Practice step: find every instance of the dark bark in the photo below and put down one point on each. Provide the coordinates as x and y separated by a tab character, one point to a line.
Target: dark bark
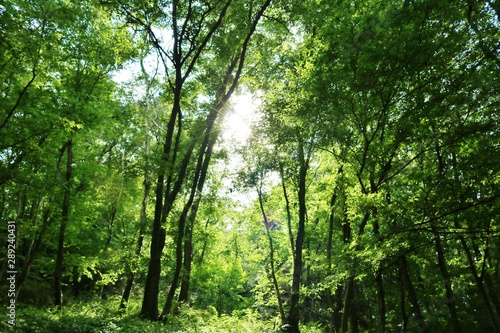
493	290
329	246
479	285
188	242
381	321
204	157
204	248
183	62
229	83
271	254
412	295
178	260
150	301
58	271
450	299
287	206
404	315
34	250
138	247
477	278
348	305
188	260
294	313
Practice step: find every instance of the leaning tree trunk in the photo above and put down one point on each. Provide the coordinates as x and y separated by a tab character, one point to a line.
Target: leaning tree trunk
412	295
480	286
271	254
34	250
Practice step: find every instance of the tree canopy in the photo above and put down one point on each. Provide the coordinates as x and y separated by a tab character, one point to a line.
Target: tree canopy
366	198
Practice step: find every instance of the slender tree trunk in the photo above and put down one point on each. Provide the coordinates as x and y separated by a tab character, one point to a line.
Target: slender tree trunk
493	291
151	289
273	275
229	83
178	258
348	301
477	278
380	302
404	316
138	247
287	206
32	254
329	248
379	282
143	218
204	157
294	313
412	295
183	67
479	285
188	252
271	255
62	229
112	218
204	247
450	299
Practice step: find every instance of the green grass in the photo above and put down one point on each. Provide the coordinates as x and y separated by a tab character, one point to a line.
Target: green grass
97	316
104	317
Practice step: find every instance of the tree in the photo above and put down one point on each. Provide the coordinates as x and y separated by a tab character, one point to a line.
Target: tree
196	37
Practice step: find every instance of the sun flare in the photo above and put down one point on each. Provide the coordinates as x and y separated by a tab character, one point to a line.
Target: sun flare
238	120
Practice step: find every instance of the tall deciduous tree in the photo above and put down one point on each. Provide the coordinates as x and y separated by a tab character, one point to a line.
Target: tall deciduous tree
202	34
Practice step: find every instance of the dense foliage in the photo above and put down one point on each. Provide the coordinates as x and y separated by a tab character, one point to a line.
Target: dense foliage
367	198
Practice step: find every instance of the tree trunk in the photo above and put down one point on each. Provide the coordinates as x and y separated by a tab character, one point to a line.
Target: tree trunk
188	260
404	316
203	162
183	64
294	314
62	229
138	247
493	292
287	206
348	304
204	248
480	286
151	289
271	255
178	258
34	251
380	302
329	248
450	299
412	295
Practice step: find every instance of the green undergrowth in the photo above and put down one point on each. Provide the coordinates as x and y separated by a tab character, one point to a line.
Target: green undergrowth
104	317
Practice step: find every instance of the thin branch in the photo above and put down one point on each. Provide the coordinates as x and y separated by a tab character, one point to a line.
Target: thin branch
206	40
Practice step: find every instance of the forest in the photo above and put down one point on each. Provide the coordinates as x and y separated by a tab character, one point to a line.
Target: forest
250	166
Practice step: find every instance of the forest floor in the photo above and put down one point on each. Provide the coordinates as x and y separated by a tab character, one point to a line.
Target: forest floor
104	317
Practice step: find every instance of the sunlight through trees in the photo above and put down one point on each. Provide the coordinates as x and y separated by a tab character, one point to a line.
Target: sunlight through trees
250	166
